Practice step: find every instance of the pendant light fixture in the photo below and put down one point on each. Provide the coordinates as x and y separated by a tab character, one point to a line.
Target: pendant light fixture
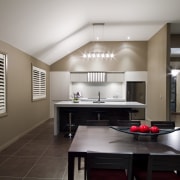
98	31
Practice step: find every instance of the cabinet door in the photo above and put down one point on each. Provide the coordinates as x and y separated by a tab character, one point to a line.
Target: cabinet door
136	76
78	77
115	77
59	85
59	88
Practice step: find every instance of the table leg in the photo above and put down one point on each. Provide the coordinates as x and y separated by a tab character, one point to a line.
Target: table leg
70	166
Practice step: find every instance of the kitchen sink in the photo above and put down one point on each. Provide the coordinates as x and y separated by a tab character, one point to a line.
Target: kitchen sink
98	101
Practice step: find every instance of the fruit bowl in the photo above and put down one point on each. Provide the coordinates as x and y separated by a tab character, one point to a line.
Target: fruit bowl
136	134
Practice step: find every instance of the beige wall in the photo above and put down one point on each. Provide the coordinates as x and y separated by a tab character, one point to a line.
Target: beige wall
129	56
157	76
178	93
23	114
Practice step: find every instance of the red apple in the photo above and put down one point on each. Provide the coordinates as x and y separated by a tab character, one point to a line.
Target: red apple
134	129
144	128
154	129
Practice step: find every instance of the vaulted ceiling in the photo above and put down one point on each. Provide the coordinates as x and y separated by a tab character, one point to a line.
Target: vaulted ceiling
51	29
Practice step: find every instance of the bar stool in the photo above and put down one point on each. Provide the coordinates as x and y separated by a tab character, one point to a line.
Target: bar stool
70	126
131	113
99	114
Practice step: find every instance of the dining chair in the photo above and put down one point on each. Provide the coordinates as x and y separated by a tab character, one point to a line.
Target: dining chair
164	124
97	122
109	166
128	123
160	167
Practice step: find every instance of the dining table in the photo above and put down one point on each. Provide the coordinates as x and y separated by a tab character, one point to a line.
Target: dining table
107	139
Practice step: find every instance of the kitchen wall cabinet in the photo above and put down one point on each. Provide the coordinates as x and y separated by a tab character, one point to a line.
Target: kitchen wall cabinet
78	76
136	76
115	77
106	77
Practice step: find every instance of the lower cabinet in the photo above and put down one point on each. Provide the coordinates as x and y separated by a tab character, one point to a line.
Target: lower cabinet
79	116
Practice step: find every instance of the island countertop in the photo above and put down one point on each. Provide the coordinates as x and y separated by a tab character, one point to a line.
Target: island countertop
125	104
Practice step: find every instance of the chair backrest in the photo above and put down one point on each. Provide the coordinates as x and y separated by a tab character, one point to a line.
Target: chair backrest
128	123
162	162
98	160
97	122
163	124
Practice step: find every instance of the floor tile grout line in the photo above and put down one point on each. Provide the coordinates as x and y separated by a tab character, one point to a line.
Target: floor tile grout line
65	171
36	161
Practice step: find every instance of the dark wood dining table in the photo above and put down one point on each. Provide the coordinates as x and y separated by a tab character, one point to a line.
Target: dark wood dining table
106	139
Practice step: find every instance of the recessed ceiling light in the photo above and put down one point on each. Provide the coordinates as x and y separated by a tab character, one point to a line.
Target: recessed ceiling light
128	37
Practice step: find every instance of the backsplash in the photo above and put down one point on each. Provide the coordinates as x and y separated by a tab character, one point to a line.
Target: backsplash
107	90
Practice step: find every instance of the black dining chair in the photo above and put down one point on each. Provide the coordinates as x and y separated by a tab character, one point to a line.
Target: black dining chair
160	167
109	166
97	122
128	123
163	124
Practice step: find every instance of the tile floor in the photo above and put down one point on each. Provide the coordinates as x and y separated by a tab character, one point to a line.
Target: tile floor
39	156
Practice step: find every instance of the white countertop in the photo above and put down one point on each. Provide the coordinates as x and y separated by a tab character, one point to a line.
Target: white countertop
104	99
104	105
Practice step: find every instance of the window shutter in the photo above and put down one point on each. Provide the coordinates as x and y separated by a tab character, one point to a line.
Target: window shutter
39	83
2	83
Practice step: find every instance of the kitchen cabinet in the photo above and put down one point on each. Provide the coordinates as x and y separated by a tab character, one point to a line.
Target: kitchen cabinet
115	77
78	76
136	76
96	77
59	88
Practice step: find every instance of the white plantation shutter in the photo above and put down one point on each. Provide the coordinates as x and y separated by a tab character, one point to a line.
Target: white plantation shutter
38	83
2	83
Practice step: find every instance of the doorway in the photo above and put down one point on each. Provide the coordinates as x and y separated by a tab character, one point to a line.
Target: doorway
136	91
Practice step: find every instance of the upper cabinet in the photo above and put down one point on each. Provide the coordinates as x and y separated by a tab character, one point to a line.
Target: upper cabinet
59	85
115	77
96	77
78	76
136	76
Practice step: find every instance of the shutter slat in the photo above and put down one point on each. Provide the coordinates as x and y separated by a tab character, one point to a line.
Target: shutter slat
2	83
39	83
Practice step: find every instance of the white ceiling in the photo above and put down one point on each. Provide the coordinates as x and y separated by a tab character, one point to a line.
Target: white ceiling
50	29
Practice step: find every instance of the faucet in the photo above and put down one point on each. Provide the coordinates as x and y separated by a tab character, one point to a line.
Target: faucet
99	96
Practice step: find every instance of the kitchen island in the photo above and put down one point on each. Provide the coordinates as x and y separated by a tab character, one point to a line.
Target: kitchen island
85	110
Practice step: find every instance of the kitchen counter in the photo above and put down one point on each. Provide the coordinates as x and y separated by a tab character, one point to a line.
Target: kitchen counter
82	105
104	99
105	104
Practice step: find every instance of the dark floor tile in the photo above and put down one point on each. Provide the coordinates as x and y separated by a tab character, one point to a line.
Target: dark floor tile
42	179
49	168
16	166
49	130
44	136
31	150
3	159
13	148
10	178
57	151
60	139
45	139
27	137
36	131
